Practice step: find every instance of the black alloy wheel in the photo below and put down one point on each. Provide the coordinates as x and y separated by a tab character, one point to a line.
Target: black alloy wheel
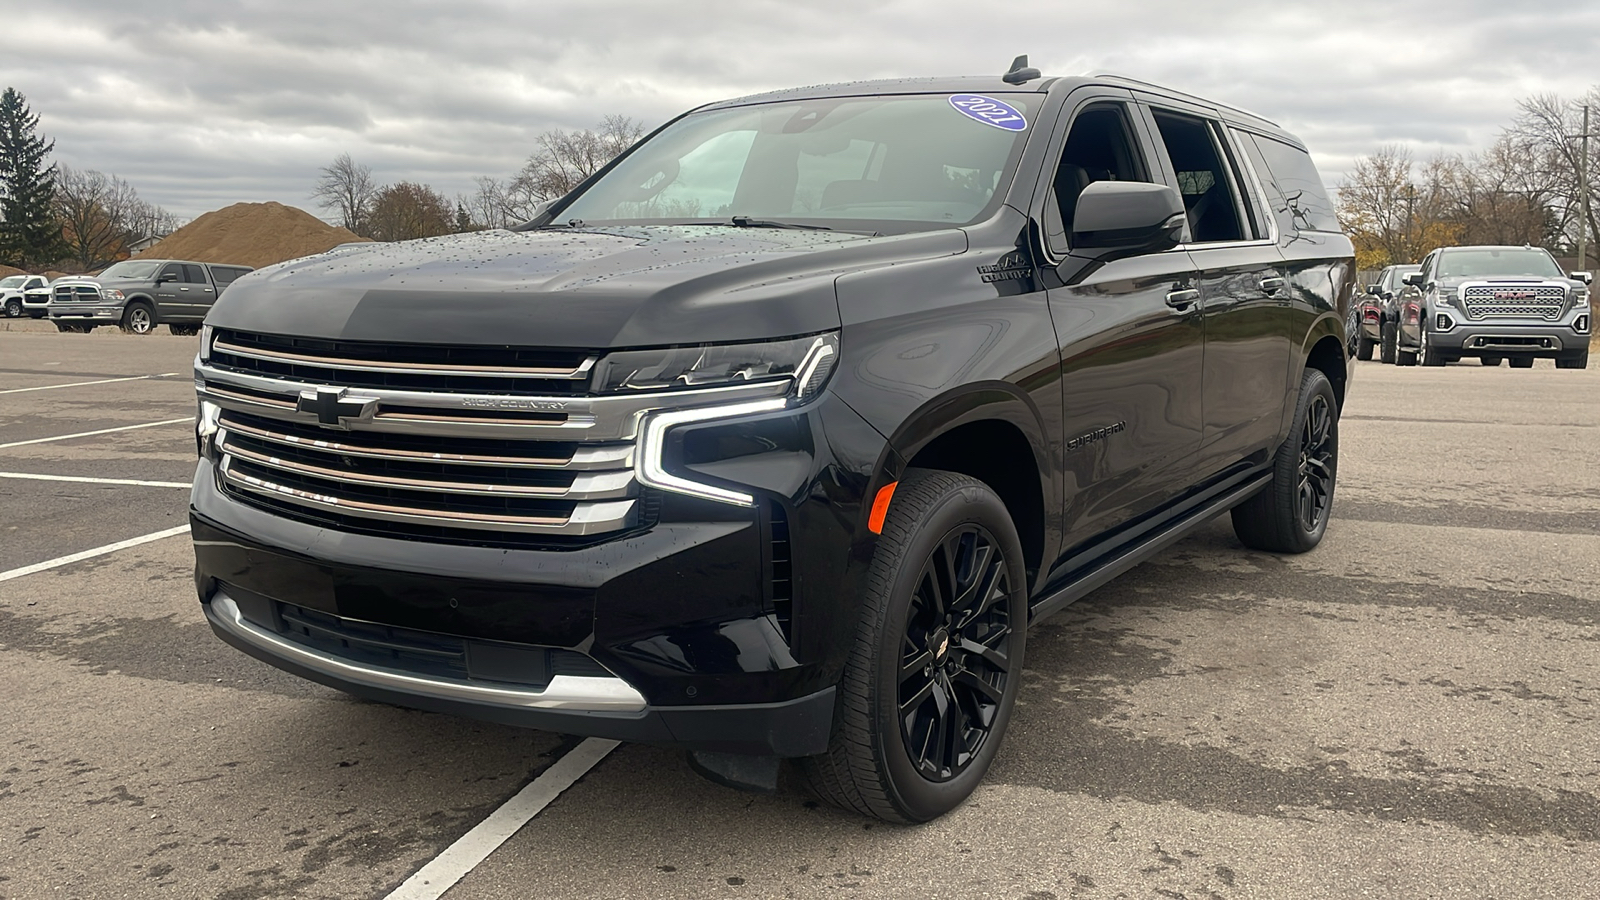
1291	513
935	667
953	665
1317	448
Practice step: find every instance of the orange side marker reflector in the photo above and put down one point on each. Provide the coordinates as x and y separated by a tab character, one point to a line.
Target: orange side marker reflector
880	507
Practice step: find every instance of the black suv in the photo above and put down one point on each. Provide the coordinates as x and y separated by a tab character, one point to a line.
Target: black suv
770	439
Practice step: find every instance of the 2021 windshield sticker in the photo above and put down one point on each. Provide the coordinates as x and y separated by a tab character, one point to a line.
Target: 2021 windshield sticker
989	111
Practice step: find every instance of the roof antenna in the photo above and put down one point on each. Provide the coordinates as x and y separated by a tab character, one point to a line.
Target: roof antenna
1020	71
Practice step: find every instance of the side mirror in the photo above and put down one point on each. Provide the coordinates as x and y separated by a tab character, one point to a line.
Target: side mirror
1374	290
1414	279
1585	277
165	277
1119	219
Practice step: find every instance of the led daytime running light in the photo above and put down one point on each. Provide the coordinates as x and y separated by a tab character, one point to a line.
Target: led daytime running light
652	445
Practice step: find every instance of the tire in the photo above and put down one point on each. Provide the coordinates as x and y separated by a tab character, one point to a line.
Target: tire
1580	361
184	330
1291	513
138	318
1405	357
1427	354
1388	338
1490	361
66	328
1521	362
1364	348
13	308
946	535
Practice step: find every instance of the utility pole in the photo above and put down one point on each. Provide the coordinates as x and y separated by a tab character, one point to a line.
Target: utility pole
1583	192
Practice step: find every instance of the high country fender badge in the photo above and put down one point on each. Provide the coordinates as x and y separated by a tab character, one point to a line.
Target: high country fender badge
1099	434
1011	267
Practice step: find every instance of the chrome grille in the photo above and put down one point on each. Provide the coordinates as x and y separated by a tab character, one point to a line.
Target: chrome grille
313	430
75	293
1484	301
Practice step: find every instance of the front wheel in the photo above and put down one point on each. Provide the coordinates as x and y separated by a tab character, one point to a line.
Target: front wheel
1576	361
1521	362
184	330
1291	513
1490	361
937	658
1364	346
1386	344
138	319
13	308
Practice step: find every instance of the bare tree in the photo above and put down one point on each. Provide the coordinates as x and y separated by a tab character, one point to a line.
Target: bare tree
102	217
1548	133
407	210
347	187
566	158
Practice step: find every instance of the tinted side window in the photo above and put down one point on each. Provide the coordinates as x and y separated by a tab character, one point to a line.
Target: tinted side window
1203	179
1100	147
226	275
1300	185
194	274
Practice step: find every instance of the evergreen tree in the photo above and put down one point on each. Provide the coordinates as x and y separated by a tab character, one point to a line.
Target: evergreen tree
30	236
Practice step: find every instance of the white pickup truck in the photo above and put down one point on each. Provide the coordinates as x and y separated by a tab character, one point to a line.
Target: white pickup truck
15	301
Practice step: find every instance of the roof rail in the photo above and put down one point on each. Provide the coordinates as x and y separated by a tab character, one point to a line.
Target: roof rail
1123	79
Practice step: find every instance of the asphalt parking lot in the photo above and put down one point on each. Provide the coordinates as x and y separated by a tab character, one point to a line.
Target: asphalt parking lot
1412	710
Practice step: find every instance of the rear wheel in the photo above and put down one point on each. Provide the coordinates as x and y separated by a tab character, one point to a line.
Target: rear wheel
937	659
1521	362
1291	513
138	318
1577	361
1490	361
1364	346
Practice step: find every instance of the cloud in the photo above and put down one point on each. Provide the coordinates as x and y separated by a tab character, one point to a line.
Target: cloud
202	104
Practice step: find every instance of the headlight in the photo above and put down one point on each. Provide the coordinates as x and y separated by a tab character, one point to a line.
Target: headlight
205	343
205	426
805	363
1447	294
1580	296
807	360
110	294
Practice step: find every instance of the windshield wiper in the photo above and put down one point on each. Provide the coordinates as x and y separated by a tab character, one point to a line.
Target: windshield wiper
747	222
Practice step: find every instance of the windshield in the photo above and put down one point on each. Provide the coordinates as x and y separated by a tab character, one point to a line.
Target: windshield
132	269
1510	262
1396	275
856	163
11	281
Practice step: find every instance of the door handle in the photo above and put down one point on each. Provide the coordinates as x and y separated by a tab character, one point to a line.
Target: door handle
1271	285
183	289
1182	299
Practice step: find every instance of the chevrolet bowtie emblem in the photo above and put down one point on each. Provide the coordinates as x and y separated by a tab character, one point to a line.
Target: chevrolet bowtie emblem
335	410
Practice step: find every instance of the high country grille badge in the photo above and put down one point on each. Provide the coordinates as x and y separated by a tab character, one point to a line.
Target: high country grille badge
334	409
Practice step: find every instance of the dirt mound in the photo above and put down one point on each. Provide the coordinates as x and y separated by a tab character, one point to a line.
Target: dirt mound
7	271
251	234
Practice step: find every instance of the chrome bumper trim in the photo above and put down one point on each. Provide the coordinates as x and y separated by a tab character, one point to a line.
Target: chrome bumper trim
566	692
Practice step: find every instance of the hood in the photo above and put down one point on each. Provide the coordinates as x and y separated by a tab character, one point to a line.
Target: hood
597	288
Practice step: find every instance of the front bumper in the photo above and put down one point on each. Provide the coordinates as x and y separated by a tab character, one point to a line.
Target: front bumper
91	312
679	636
1510	337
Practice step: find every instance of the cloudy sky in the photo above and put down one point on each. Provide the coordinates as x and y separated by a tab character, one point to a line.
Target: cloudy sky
203	103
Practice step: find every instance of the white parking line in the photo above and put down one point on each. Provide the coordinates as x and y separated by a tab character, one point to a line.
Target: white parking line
90	554
68	437
84	479
449	867
51	387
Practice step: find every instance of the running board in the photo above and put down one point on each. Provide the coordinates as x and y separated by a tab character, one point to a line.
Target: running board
1119	561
